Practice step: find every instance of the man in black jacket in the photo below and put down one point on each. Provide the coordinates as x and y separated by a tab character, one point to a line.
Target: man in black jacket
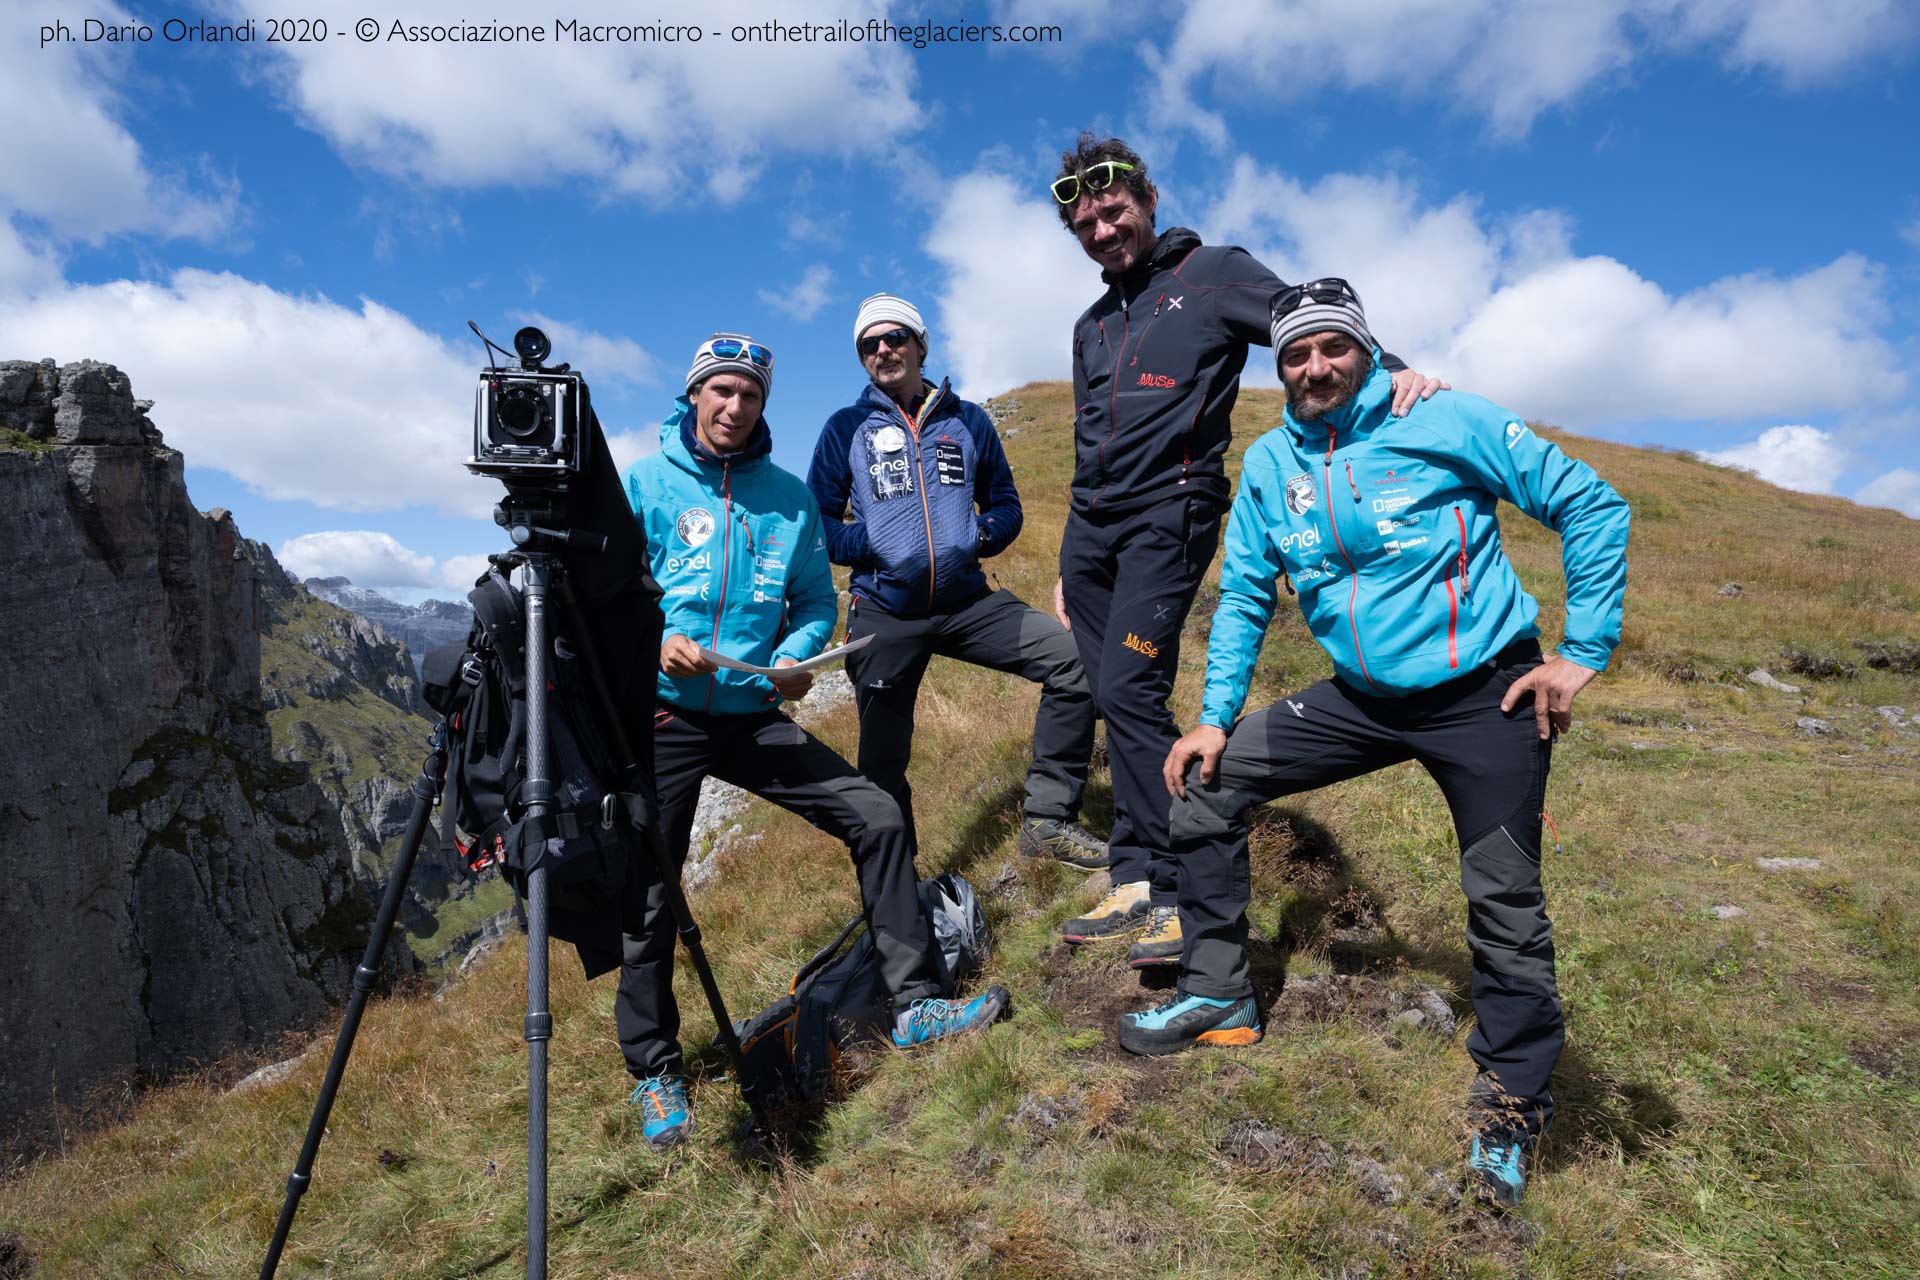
1156	368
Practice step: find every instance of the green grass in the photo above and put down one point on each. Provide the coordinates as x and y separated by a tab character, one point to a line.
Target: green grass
1738	1097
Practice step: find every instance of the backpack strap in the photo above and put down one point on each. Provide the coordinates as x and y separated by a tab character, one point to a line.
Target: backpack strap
825	956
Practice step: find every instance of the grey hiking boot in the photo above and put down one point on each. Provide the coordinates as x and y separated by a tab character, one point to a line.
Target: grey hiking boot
1067	842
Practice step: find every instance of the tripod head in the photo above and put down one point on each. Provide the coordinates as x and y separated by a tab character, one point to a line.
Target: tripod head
529	516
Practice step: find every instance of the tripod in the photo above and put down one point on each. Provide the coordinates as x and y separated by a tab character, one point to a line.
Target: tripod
543	575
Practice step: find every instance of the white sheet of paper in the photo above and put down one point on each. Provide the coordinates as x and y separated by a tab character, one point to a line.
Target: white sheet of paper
819	660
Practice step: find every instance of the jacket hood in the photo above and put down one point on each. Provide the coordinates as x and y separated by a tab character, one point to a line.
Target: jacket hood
1368	409
680	442
1173	244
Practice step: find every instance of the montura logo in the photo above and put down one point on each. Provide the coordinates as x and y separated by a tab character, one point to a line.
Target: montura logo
1138	645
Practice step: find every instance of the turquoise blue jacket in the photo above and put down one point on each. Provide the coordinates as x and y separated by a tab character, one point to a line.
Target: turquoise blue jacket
1386	528
736	545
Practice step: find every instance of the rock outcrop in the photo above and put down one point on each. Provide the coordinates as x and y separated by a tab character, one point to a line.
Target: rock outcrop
422	628
172	891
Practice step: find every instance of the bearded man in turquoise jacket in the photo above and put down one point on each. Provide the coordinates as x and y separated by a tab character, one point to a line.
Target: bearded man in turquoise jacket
1385	528
737	547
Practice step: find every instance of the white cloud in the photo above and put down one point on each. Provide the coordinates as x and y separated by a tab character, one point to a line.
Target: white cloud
1505	61
638	117
1504	307
1803	458
459	573
805	298
599	357
352	408
68	165
1899	489
1006	316
1911	234
363	556
628	447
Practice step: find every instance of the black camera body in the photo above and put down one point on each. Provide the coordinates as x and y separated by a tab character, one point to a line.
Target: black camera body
529	423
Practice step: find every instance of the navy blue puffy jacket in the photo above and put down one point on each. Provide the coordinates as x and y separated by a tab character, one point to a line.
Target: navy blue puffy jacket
931	496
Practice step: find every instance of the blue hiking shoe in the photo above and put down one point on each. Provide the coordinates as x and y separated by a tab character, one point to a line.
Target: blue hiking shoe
1496	1169
1185	1021
927	1020
662	1099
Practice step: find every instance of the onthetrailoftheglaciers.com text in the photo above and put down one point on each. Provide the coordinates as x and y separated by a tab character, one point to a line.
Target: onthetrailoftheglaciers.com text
918	35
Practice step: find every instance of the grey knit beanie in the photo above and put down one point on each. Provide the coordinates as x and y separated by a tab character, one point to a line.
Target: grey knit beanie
706	363
1314	316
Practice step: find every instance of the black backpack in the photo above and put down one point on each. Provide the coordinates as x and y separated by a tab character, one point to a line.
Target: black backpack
480	689
796	1050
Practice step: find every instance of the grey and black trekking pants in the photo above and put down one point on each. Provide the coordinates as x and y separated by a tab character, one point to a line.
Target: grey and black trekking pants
996	630
1492	768
774	758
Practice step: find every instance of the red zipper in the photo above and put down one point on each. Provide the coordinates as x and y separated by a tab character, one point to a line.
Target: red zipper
1454	600
726	562
1353	594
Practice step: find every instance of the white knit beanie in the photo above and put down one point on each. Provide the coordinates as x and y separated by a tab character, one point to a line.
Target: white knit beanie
882	308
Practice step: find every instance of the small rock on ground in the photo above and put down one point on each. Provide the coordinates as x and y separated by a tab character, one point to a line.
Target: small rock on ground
1895	716
1787	864
1816	728
1731	589
1727	911
1766	680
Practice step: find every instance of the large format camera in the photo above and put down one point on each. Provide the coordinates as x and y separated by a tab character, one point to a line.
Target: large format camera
529	422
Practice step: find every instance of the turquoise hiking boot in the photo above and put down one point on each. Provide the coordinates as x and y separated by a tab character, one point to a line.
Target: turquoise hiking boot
927	1020
1186	1021
1497	1170
662	1099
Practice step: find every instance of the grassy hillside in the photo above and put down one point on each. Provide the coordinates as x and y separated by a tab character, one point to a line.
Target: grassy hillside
1738	1094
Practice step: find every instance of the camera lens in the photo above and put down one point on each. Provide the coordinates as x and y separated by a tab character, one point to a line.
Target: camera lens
532	345
522	412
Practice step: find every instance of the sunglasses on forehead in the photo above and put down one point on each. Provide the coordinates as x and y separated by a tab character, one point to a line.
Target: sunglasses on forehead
1325	289
726	347
1095	177
897	339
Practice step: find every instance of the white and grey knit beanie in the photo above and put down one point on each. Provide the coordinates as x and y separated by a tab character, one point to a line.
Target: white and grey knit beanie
884	308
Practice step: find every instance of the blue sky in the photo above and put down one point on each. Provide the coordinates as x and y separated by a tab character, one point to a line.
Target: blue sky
1694	223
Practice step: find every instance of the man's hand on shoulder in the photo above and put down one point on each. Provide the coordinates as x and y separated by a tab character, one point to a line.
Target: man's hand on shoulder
795	687
1409	386
1554	684
680	657
1204	744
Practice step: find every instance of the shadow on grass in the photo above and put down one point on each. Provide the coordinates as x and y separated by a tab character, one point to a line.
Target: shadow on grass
1329	910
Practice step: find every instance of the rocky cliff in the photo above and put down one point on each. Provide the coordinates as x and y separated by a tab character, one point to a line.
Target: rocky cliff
342	698
171	890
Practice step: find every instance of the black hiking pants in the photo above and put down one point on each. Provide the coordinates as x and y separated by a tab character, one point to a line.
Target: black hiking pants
996	630
774	758
1129	583
1492	768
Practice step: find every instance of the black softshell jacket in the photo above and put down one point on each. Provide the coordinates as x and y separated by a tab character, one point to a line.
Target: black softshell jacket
1156	368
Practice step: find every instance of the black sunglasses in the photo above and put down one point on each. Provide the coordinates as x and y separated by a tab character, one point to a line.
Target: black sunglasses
1325	289
894	338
